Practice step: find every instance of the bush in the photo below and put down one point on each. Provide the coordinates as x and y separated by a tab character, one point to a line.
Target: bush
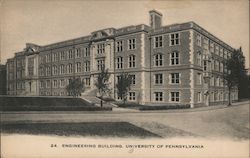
164	107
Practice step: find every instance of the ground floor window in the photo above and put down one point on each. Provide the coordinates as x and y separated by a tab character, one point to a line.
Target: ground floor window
158	96
199	97
131	96
175	96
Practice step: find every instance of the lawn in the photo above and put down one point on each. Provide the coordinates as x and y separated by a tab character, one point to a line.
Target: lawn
105	129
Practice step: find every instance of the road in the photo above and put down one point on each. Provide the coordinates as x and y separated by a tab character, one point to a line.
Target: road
229	122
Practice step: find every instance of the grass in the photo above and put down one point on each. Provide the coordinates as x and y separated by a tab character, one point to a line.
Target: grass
47	104
108	129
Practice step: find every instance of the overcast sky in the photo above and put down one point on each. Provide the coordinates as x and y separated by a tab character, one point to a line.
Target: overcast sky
45	22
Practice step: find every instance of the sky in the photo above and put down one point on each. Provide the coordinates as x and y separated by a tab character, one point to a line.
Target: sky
43	22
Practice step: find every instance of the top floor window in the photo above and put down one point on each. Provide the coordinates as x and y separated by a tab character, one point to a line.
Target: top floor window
205	44
131	44
119	46
70	54
174	58
158	41
86	52
158	60
212	47
47	58
217	49
198	40
78	53
100	48
62	55
55	57
174	39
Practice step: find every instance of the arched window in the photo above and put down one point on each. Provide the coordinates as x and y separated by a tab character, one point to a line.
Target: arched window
158	60
69	68
54	70
131	61
61	69
78	67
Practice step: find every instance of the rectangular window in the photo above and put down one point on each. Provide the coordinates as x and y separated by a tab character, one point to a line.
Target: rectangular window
62	55
119	46
131	96
132	79
131	44
131	61
70	54
198	40
198	58
86	52
158	96
175	78
174	39
158	42
54	83
205	44
217	49
101	48
158	78
211	47
87	81
199	97
78	67
119	62
78	52
100	64
212	81
48	84
87	66
199	78
158	60
62	83
55	57
175	96
174	58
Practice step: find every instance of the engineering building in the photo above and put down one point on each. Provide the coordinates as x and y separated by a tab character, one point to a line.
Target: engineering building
174	64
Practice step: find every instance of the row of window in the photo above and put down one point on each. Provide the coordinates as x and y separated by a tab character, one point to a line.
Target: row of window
60	83
215	64
174	78
209	45
158	96
64	55
64	69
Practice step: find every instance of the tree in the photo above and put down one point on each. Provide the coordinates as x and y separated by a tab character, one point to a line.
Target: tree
235	71
123	86
102	83
75	87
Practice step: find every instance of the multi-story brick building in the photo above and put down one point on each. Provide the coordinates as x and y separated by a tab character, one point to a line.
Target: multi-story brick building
174	64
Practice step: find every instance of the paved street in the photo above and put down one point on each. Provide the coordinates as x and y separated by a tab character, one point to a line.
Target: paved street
210	122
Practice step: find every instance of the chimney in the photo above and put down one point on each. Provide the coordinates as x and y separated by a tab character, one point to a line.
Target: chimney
155	19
